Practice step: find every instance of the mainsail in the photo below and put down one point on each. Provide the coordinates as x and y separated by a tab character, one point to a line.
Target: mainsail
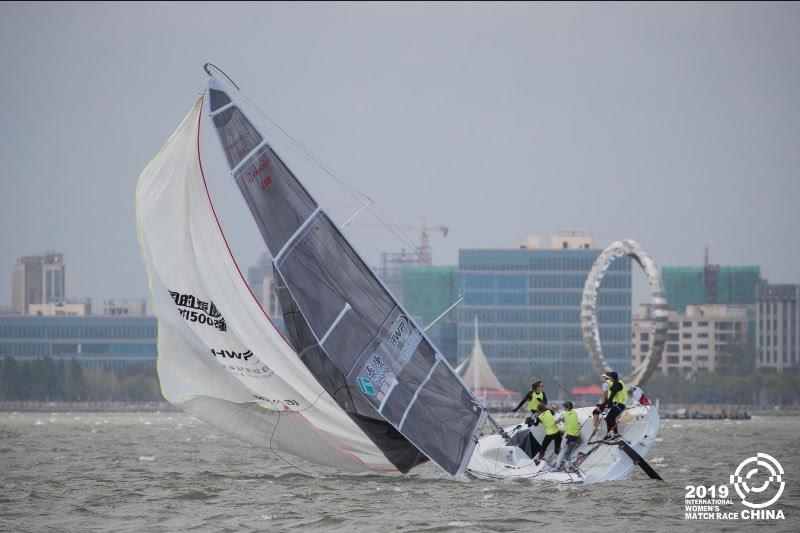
356	385
351	333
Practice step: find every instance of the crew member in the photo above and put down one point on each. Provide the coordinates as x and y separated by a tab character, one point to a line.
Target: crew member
534	398
615	402
600	407
572	430
547	418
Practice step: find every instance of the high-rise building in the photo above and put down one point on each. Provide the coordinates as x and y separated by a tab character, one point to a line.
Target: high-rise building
528	303
38	280
428	291
704	338
710	284
59	309
256	275
778	326
393	266
261	280
125	307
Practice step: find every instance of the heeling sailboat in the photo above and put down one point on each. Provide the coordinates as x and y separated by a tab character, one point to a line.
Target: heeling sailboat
356	385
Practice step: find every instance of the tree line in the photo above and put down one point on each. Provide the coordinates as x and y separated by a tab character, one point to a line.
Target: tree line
763	388
48	379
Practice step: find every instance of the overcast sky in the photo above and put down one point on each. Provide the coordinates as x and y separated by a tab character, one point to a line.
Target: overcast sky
677	125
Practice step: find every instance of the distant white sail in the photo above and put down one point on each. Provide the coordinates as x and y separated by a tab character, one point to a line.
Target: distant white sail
477	372
219	356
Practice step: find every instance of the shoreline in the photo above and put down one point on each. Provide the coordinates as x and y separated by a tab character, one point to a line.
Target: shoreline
152	407
87	407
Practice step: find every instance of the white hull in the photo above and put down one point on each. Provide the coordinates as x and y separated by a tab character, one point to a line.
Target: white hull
638	426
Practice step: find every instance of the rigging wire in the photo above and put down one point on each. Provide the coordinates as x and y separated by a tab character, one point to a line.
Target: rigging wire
312	404
274	429
386	220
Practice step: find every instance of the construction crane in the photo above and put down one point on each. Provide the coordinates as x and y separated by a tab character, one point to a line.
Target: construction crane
423	251
393	264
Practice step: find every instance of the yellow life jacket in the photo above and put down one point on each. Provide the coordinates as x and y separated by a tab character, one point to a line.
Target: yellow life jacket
536	399
572	426
547	419
621	396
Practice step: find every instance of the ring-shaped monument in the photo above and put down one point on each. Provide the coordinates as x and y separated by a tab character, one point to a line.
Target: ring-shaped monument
589	325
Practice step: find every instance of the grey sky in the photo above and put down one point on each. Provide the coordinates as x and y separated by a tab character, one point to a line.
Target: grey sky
676	125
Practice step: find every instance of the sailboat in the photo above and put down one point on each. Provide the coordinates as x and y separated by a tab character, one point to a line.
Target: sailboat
512	454
355	383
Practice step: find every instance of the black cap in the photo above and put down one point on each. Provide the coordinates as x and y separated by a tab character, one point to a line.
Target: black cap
613	375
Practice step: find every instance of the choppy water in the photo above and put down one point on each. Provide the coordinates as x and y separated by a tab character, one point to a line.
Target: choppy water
171	472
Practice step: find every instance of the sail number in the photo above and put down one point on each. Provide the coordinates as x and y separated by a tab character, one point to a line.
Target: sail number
701	491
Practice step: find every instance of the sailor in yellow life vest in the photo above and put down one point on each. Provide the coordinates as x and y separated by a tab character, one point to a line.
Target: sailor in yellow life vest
600	407
572	430
547	418
616	399
534	398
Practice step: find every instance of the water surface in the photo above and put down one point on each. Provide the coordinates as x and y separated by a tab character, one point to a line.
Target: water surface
172	472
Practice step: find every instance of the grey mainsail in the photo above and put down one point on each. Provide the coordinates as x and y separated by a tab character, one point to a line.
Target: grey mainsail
350	332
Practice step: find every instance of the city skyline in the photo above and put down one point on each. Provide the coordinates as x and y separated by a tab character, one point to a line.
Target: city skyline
674	125
640	292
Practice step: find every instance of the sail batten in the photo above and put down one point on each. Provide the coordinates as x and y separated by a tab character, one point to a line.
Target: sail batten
246	158
291	240
391	371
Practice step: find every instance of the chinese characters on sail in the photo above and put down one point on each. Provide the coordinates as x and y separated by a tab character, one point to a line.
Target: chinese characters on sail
194	309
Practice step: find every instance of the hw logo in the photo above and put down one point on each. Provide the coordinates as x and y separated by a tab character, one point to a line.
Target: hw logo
365	384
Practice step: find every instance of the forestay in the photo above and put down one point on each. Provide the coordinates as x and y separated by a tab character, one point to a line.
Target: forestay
349	331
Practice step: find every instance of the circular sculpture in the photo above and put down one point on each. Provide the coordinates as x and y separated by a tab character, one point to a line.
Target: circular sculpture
591	333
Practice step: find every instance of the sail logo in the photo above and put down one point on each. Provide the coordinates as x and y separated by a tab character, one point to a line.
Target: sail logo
758	481
194	309
400	327
414	338
747	489
376	369
366	385
230	354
